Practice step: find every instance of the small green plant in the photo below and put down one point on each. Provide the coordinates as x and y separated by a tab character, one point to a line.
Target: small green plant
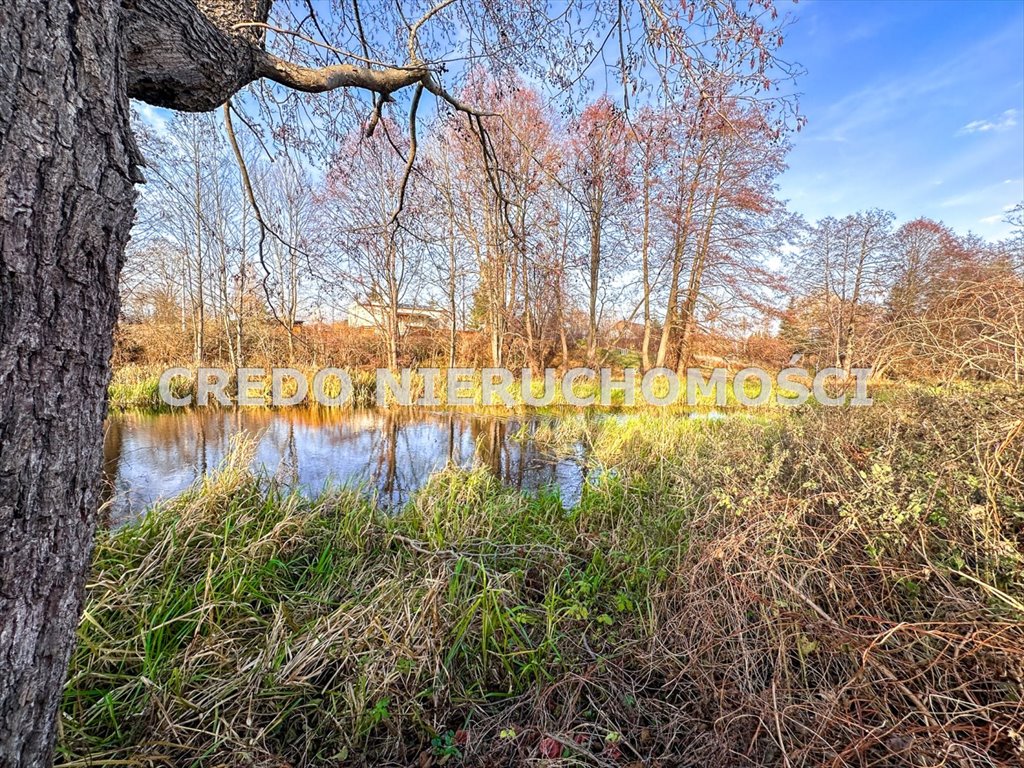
379	712
444	745
577	612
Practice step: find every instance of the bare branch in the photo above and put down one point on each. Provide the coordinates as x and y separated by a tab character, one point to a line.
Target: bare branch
414	30
318	80
412	156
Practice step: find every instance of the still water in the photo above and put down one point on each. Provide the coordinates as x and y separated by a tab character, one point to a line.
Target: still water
389	454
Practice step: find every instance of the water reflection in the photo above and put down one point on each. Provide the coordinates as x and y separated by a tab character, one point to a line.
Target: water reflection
391	453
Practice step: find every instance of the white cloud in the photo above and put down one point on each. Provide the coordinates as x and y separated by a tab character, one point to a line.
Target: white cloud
155	118
958	200
991	219
1004	122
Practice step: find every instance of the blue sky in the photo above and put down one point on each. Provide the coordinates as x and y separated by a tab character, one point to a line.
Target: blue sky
915	106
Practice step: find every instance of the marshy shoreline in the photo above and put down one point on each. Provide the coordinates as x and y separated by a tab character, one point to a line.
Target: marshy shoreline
840	586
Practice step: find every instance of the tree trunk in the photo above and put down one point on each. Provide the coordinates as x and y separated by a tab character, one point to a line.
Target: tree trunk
682	234
671	307
394	329
688	311
452	286
645	258
594	276
199	302
68	164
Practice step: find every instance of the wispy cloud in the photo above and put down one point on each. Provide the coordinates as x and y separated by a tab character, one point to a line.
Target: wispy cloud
1004	122
958	200
156	118
899	134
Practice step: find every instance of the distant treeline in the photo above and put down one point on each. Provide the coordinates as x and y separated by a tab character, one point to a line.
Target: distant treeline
653	239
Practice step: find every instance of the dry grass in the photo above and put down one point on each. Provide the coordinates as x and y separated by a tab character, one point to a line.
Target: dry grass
834	587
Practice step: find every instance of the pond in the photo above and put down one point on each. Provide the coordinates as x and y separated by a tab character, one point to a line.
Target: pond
388	453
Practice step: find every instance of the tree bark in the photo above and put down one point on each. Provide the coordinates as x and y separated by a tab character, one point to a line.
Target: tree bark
179	58
67	166
193	55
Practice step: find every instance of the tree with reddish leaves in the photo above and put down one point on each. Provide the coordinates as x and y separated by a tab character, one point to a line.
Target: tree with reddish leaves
722	213
955	308
741	221
505	211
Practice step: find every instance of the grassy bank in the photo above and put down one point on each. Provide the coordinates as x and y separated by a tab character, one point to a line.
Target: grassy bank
138	387
829	587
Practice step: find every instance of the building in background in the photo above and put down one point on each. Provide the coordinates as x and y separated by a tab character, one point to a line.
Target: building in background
411	317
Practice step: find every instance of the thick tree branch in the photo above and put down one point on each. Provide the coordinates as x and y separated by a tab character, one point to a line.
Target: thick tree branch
317	80
178	57
194	57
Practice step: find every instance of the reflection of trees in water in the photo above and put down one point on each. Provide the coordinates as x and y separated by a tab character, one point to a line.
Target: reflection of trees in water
288	470
196	440
489	437
386	474
407	449
113	444
515	462
393	452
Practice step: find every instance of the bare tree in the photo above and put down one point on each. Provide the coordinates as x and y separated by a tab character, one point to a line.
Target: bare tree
377	252
600	181
289	210
847	266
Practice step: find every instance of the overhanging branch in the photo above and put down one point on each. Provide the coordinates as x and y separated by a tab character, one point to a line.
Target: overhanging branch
318	80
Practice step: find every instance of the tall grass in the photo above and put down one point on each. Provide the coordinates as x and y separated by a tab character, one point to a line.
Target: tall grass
832	587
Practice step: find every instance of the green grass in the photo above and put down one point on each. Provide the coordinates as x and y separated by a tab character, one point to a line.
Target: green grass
833	586
137	387
134	386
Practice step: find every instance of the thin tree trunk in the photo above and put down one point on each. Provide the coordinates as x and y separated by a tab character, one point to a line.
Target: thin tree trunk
239	335
595	276
679	253
688	313
184	289
532	354
394	330
452	284
645	254
224	297
497	288
851	327
199	327
68	163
